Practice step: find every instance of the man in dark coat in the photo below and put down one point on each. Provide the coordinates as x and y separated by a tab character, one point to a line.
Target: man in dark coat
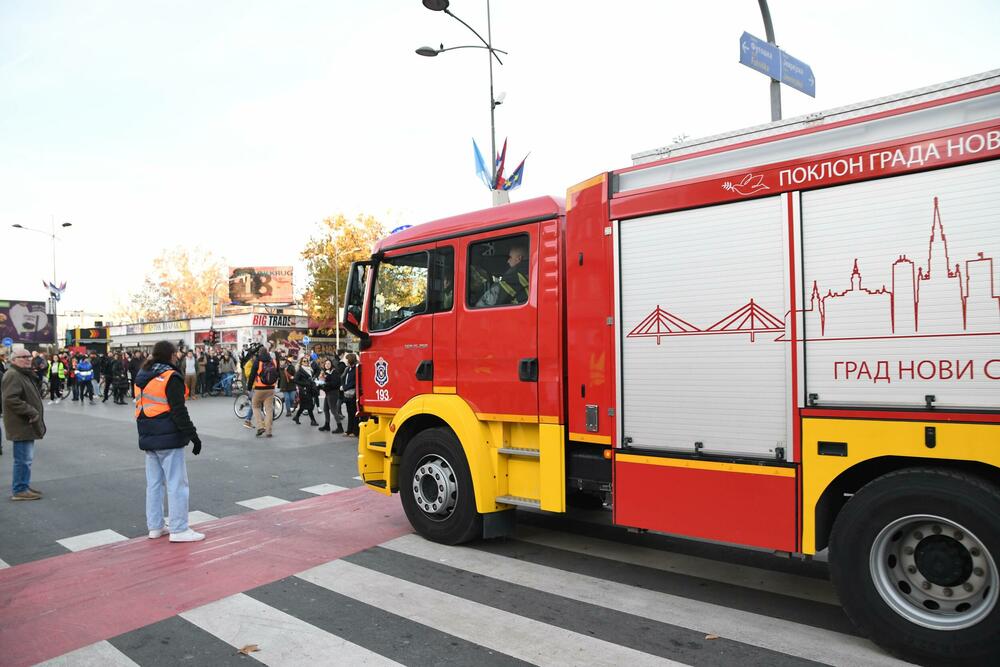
23	421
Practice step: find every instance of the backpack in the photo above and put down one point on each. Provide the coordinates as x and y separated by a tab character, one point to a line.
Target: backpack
268	373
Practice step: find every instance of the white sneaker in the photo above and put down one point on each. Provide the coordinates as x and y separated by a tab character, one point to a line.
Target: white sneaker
160	532
187	536
51	402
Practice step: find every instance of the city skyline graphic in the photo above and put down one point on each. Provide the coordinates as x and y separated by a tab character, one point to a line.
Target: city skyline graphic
933	299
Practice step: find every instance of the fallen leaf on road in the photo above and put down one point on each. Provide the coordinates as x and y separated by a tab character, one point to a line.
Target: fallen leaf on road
248	649
711	636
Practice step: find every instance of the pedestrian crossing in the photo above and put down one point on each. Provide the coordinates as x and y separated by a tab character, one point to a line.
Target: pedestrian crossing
108	536
544	597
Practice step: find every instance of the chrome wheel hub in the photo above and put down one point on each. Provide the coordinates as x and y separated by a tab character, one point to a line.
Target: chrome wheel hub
934	572
435	487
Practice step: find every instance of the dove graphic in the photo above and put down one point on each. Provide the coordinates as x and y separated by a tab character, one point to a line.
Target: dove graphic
749	185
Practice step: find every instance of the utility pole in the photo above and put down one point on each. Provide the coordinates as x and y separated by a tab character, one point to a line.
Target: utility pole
775	85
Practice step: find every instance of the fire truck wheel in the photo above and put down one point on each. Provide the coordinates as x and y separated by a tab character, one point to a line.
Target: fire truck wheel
914	557
436	488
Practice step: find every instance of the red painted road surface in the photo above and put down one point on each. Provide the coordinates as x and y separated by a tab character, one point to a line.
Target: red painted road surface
56	605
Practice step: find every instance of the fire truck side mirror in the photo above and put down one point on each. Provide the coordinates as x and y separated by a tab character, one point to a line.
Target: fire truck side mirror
354	298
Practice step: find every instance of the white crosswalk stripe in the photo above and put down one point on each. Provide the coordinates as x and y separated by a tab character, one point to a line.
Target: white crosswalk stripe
101	654
756	630
240	620
90	540
323	489
499	630
262	503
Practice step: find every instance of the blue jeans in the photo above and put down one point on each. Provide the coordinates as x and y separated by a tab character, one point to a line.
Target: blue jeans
227	383
166	468
289	400
24	454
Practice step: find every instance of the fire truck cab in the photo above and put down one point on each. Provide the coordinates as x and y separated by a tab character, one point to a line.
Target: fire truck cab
785	337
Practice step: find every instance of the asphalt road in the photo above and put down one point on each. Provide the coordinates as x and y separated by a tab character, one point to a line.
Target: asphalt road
339	578
92	473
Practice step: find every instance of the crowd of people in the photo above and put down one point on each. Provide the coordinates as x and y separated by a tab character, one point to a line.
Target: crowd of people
161	383
308	383
113	374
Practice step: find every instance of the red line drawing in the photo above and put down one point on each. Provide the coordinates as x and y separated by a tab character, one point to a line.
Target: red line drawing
660	323
749	318
930	301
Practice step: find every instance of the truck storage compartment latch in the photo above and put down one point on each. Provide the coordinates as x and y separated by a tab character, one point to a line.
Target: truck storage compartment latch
527	370
425	371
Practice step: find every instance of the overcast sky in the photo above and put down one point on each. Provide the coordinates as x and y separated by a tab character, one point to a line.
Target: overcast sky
236	125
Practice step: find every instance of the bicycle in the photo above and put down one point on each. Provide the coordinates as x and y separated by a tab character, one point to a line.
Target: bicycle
64	390
235	387
242	406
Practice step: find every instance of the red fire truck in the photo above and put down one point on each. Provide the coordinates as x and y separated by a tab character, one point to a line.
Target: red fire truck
785	337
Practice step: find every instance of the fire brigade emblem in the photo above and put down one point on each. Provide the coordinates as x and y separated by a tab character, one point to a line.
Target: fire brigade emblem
381	372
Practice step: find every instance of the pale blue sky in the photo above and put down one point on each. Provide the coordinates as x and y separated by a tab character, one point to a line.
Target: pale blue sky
236	125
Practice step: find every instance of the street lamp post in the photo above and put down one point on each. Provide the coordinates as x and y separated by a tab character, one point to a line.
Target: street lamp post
499	196
52	234
775	85
336	287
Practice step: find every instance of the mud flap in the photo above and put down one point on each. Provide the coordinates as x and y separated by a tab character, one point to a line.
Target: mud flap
499	524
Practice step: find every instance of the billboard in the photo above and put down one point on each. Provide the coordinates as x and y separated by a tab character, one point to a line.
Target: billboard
26	322
250	285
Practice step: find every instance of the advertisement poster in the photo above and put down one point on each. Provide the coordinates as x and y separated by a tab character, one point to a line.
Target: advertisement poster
251	285
26	322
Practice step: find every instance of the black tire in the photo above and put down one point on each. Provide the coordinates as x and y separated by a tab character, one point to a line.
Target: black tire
928	508
434	458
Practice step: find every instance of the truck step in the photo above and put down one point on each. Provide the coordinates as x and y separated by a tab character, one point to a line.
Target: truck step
378	446
519	451
519	501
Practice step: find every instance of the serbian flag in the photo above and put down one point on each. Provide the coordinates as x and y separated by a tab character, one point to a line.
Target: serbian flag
515	178
499	185
480	165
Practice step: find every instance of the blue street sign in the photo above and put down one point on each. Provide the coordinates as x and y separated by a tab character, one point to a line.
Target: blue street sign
306	340
400	228
8	342
798	75
758	54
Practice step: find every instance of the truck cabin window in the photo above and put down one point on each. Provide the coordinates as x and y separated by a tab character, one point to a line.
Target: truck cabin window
400	290
498	272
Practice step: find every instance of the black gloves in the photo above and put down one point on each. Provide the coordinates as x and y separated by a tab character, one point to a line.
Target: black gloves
196	450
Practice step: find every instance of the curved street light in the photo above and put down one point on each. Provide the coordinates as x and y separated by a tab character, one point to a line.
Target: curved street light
51	234
430	52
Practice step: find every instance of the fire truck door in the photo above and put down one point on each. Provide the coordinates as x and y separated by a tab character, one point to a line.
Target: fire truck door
444	304
498	322
400	323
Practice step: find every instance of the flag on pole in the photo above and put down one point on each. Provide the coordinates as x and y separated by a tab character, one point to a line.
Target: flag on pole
516	176
480	165
500	160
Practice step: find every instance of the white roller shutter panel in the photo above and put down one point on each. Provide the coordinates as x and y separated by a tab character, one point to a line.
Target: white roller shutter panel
702	301
903	274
